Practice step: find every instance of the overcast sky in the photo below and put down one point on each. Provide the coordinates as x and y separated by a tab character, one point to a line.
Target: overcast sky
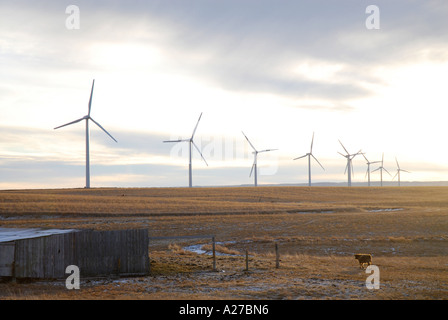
277	70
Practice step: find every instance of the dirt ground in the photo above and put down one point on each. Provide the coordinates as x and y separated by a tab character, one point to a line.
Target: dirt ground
317	232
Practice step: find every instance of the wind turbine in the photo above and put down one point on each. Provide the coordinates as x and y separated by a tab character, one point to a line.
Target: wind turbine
87	118
381	168
349	167
368	166
309	155
191	142
254	166
398	172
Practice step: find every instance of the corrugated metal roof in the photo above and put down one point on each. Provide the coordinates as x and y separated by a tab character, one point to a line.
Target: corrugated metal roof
11	234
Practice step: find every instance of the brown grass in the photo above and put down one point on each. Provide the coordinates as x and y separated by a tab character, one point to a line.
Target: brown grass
317	229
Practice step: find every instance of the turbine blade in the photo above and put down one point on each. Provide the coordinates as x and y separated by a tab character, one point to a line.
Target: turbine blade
249	142
67	124
317	161
194	131
342	155
355	154
398	166
90	100
312	141
376	169
252	169
387	171
103	129
194	144
300	157
267	150
365	157
343	146
175	140
395	175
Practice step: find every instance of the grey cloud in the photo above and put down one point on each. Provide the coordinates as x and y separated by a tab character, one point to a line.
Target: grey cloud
244	45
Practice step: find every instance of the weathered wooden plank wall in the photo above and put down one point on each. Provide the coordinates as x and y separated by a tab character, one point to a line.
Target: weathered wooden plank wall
96	253
6	259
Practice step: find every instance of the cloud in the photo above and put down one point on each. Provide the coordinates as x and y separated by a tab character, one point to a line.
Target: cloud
242	46
253	46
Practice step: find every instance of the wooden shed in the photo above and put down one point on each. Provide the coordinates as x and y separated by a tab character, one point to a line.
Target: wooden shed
46	253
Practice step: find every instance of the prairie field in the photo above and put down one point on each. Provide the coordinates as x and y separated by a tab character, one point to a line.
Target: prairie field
317	231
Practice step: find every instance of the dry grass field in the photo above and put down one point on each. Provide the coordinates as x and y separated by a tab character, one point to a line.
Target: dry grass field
317	230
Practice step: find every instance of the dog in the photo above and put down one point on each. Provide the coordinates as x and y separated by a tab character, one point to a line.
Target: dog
363	259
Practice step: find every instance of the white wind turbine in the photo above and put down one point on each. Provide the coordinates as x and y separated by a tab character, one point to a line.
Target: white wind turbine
398	172
368	167
254	165
191	142
381	168
87	118
349	167
309	155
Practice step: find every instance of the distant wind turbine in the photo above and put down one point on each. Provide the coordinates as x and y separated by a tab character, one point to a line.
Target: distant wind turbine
398	172
309	155
349	167
381	168
368	167
191	142
87	118
254	165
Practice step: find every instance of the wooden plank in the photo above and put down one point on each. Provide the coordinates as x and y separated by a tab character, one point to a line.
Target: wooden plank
7	259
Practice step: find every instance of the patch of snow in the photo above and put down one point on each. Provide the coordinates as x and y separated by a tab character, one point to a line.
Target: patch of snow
386	210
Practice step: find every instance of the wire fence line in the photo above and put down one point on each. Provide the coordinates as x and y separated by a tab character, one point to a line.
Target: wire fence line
212	237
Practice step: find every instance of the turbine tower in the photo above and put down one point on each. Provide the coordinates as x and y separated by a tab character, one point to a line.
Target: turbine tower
381	168
309	155
254	165
349	167
191	143
87	118
398	172
368	167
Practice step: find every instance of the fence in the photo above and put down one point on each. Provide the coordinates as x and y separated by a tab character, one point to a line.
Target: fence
277	253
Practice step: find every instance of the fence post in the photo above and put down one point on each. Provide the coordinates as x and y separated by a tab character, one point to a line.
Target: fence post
277	256
214	254
247	261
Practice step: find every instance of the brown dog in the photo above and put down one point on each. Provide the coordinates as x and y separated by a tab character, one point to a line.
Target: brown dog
364	259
